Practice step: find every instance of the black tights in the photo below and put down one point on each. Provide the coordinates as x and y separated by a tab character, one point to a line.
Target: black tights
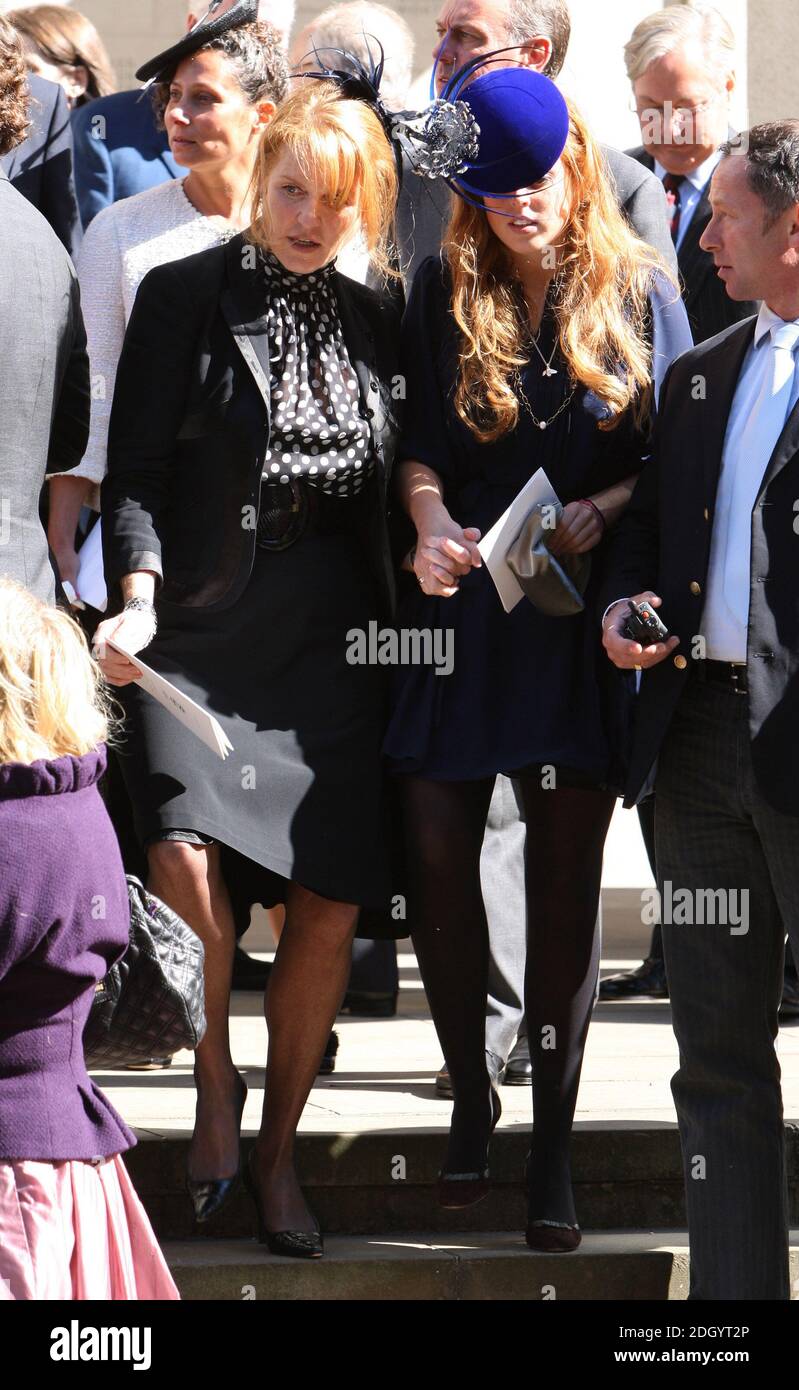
566	830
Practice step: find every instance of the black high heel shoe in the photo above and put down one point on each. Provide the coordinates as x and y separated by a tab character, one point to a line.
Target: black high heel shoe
300	1245
210	1195
459	1190
549	1237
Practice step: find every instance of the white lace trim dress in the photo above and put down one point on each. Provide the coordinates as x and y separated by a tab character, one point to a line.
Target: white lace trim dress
120	246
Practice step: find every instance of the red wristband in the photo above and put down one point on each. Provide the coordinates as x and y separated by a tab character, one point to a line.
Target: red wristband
586	502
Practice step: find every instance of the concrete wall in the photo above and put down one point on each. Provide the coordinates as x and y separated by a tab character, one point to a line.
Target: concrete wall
773	59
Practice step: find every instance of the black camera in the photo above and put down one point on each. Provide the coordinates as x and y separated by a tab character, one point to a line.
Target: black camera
643	625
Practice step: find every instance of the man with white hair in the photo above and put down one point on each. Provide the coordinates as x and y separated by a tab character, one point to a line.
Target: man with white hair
681	66
359	27
119	150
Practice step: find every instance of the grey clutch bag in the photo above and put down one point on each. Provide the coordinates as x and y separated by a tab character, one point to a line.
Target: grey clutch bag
554	584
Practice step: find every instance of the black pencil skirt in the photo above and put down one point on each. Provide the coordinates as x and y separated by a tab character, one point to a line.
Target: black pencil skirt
301	795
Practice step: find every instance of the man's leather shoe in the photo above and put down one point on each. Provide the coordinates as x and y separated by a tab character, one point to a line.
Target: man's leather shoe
443	1084
647	982
364	1005
789	1008
328	1063
519	1068
249	973
496	1071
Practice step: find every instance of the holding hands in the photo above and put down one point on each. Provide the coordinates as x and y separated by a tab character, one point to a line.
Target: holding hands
444	553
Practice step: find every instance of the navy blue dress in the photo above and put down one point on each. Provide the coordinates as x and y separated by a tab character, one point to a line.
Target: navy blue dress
526	689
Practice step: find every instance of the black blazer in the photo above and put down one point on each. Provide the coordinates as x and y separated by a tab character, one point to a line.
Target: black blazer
41	166
191	417
710	309
663	543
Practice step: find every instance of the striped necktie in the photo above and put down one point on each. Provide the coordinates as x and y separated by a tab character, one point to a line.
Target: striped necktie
672	184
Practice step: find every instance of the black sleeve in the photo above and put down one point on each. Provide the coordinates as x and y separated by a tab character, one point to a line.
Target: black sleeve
149	405
69	433
425	330
631	562
59	203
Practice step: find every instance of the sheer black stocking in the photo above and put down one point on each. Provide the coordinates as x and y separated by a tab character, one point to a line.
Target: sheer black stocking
444	826
566	830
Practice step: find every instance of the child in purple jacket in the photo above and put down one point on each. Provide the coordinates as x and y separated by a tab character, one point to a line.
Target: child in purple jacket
71	1225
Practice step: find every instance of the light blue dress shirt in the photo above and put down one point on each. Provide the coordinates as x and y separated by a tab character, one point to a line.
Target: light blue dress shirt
725	630
691	191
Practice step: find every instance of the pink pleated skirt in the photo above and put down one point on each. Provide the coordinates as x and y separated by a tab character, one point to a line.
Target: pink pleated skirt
77	1230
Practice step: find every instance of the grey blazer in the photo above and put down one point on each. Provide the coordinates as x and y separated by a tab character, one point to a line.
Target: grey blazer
424	206
44	382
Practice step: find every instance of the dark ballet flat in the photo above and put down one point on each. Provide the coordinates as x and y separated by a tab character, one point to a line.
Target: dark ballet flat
210	1195
459	1190
552	1237
298	1245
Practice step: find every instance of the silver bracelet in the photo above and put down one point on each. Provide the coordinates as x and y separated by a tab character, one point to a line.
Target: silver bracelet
143	605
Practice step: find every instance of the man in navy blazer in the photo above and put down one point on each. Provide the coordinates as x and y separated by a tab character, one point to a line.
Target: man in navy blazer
41	166
119	150
712	532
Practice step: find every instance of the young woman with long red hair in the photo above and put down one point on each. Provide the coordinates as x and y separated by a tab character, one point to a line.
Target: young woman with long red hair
533	342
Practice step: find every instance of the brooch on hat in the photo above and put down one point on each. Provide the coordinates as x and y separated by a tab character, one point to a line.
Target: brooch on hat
439	142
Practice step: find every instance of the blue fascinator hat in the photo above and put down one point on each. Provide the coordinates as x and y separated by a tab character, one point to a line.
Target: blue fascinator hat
524	125
494	129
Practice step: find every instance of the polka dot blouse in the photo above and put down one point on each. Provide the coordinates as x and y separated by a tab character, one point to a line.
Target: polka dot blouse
317	431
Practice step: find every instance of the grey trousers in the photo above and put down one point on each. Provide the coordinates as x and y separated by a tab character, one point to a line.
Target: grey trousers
502	878
714	831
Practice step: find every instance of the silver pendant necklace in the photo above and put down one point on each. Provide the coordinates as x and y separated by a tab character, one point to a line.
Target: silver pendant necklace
549	370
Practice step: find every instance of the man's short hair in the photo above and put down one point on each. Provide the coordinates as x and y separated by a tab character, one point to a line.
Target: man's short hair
14	90
351	26
772	165
676	25
549	19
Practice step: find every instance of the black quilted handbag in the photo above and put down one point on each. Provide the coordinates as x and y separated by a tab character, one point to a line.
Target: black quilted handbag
152	1002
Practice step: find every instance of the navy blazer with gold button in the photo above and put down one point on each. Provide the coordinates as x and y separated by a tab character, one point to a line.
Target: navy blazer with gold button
190	424
663	541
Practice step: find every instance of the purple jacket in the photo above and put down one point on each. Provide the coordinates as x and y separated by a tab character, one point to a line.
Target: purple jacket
64	919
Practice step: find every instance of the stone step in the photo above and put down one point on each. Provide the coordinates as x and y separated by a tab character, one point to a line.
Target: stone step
462	1266
625	1179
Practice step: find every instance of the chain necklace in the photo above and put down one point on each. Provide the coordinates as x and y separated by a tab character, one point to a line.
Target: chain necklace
540	424
549	370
